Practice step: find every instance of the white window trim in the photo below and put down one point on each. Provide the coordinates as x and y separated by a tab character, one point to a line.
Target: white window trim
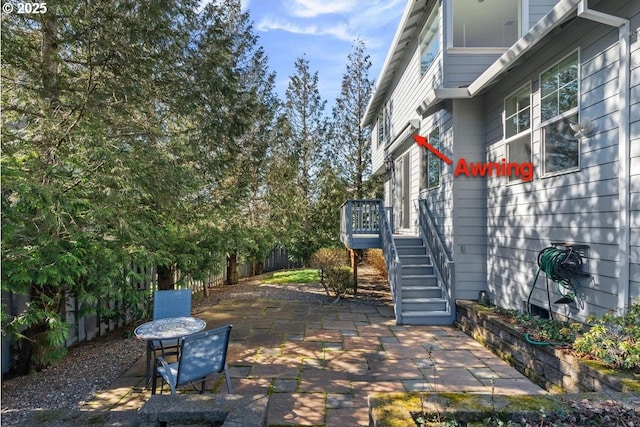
504	111
574	111
544	174
568	112
506	156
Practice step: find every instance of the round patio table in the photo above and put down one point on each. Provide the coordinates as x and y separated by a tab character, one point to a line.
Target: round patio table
169	328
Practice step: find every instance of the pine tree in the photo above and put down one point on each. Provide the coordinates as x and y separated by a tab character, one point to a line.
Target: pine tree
350	146
304	110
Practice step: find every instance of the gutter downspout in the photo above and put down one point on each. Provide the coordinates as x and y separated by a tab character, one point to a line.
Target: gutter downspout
624	150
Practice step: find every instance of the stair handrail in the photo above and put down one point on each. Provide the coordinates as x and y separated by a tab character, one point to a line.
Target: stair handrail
392	260
444	266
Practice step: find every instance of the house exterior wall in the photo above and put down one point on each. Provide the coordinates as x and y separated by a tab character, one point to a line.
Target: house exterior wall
634	273
469	200
580	207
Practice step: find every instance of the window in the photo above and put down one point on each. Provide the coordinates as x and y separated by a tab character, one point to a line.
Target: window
517	130
431	163
559	88
561	150
429	41
485	23
558	109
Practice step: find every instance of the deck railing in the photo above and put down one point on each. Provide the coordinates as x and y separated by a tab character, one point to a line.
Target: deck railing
359	217
394	266
444	265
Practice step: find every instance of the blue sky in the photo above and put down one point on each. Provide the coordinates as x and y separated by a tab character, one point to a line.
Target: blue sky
324	30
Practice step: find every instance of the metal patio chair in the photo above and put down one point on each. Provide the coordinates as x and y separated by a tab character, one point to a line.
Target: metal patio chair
202	355
168	303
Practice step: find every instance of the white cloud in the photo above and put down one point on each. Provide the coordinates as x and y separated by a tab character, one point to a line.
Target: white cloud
339	30
314	8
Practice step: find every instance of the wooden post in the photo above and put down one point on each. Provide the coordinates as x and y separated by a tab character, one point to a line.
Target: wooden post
354	265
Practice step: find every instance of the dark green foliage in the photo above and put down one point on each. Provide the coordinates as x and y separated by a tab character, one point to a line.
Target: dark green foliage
614	339
126	131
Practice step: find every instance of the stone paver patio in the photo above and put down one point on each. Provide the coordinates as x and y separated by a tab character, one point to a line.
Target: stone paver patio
320	362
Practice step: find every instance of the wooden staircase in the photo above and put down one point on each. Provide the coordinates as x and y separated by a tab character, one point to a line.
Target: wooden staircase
423	299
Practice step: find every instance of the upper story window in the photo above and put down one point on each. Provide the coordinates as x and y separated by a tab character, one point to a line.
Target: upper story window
430	41
517	130
559	91
485	23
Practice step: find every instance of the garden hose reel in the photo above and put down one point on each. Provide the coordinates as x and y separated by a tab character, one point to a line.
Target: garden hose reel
562	263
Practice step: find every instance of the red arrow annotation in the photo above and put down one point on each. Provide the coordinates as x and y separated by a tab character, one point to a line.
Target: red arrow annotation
421	140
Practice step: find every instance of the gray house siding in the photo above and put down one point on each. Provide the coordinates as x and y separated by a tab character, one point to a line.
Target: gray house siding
580	207
440	199
635	164
538	9
470	200
463	68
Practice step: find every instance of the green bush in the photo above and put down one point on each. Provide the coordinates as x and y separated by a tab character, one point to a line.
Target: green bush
614	339
339	280
336	273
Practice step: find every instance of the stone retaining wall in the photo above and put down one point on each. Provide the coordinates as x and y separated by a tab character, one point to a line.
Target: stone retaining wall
550	367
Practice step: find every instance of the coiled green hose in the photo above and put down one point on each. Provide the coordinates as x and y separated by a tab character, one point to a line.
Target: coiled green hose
559	265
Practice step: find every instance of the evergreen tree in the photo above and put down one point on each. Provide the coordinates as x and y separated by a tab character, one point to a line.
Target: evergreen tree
304	110
350	148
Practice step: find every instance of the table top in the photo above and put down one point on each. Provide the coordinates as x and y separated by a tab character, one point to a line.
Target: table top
169	328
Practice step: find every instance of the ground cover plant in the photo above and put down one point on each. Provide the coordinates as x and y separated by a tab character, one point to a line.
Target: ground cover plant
612	339
307	275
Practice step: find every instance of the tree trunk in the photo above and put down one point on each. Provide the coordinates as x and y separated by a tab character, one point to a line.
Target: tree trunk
232	269
165	278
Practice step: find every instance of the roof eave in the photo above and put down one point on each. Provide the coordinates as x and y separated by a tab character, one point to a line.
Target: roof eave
560	13
393	58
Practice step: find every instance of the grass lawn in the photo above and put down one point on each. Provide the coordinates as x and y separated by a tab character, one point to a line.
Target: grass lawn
307	275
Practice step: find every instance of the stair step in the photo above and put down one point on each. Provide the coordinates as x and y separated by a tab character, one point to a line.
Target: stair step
407	241
426	318
423	304
409	280
410	292
411	250
414	270
415	260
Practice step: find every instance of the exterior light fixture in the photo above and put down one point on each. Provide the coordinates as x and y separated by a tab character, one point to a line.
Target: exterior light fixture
388	163
584	128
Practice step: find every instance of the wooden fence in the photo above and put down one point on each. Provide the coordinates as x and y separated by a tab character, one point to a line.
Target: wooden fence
88	327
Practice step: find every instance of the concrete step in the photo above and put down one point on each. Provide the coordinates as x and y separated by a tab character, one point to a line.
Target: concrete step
415	259
426	305
426	318
417	291
416	270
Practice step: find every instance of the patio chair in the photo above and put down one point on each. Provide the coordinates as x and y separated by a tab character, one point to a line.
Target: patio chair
169	303
202	355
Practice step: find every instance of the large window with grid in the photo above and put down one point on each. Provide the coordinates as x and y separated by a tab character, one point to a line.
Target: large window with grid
517	128
559	92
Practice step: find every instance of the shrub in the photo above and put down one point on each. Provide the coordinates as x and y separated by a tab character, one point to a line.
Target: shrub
375	258
339	280
334	266
613	339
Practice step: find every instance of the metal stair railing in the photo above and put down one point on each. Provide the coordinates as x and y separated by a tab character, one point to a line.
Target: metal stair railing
444	266
394	266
